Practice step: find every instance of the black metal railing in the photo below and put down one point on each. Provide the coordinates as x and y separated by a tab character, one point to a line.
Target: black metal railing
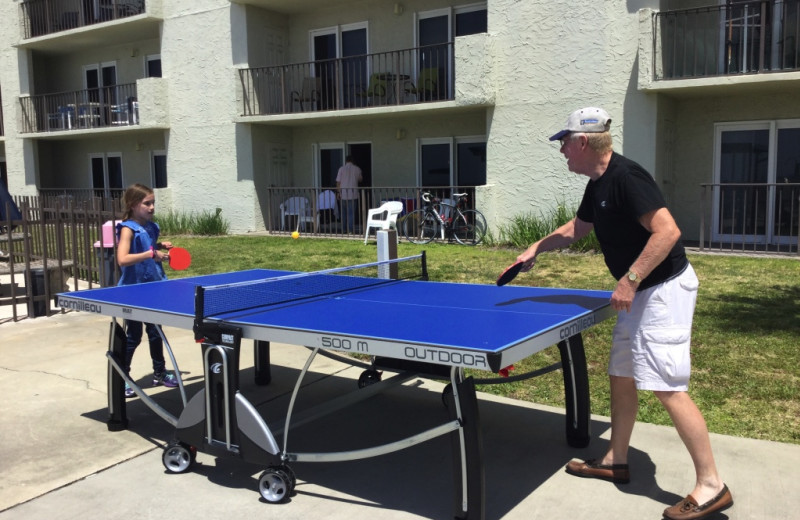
314	211
742	38
103	199
745	217
42	17
112	106
417	75
319	212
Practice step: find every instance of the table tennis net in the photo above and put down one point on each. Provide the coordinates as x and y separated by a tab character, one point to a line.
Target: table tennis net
216	300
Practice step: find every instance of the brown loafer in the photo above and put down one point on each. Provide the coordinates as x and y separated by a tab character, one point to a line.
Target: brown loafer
617	473
688	508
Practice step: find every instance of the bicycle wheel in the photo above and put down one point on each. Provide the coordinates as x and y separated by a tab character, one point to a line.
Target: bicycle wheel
420	226
469	227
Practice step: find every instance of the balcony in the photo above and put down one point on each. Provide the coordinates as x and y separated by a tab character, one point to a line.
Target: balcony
114	106
43	17
743	39
417	75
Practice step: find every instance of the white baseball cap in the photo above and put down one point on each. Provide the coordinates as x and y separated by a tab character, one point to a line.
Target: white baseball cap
586	120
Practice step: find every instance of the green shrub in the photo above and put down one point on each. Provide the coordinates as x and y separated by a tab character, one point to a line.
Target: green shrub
525	229
211	223
207	223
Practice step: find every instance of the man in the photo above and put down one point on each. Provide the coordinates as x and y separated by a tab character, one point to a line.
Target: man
654	298
347	179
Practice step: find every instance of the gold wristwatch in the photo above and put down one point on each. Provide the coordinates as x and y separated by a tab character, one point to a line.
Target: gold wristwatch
635	278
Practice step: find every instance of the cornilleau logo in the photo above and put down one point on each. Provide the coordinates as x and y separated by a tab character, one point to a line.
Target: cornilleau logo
77	305
216	368
575	327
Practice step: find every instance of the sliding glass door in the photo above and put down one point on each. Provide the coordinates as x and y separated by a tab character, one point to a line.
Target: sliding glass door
756	175
340	64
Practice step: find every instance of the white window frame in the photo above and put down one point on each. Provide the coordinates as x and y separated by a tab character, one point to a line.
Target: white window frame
772	126
423	141
153	155
147	60
105	156
463	140
316	150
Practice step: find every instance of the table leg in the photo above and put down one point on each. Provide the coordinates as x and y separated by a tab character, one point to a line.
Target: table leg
117	416
576	391
467	453
261	362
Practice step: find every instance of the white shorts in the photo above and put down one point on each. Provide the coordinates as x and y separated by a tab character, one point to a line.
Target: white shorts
651	342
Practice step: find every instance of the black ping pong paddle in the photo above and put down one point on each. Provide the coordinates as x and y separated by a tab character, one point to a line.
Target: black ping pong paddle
510	273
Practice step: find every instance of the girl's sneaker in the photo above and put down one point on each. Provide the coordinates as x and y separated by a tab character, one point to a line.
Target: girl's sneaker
165	378
129	392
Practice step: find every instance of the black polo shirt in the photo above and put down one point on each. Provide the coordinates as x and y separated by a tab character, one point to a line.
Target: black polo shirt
613	204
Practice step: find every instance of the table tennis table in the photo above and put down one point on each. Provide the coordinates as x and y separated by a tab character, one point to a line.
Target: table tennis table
401	322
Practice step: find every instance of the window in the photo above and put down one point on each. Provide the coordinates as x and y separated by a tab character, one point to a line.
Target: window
471	20
3	173
757	172
106	173
331	157
153	66
471	162
160	169
452	162
348	42
97	80
435	31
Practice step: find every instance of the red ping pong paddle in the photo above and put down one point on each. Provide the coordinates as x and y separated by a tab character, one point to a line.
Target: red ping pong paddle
179	258
510	273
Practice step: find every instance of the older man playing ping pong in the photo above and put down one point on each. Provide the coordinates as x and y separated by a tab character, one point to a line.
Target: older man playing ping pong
654	297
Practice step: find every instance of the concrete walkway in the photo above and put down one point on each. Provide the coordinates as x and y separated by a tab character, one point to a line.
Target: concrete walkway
59	461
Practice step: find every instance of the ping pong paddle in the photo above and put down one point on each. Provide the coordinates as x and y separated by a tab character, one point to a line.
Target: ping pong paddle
179	258
509	274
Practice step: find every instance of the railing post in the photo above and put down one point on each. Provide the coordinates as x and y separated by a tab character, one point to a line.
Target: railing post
797	251
702	216
762	36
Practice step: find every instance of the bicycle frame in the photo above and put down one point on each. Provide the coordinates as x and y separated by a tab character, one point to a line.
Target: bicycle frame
451	219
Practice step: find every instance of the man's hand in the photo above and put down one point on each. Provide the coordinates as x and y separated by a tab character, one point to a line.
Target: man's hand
622	298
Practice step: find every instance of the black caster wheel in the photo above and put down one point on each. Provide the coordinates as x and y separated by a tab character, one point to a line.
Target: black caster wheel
289	473
178	457
275	485
369	377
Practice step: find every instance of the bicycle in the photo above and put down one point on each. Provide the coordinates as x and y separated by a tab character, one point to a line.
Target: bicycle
438	218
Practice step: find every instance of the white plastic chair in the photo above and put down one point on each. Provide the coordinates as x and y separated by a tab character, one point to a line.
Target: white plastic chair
296	207
384	217
326	202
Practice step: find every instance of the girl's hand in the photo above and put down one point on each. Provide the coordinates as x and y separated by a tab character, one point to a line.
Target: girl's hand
166	245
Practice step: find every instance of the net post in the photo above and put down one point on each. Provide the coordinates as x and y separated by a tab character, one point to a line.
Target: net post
387	250
424	261
199	293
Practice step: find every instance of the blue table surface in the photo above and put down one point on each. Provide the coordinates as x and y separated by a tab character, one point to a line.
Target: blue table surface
482	317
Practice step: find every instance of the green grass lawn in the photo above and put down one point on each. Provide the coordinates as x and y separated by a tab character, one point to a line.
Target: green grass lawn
746	360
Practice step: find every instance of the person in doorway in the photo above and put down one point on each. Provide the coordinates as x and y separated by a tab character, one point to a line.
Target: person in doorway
347	179
654	297
139	255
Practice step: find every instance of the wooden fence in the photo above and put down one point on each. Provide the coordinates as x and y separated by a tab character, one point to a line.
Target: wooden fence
56	246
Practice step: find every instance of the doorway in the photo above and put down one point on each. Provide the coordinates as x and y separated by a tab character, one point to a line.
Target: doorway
345	44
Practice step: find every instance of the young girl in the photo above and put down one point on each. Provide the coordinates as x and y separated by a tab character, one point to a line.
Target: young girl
139	256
